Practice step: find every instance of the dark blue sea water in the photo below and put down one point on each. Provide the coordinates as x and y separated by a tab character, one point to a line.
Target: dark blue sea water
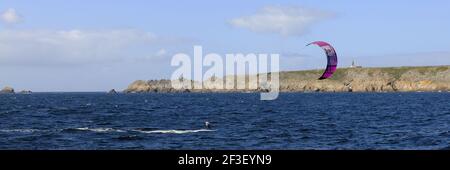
239	121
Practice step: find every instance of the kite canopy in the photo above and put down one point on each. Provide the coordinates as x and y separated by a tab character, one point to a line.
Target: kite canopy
331	58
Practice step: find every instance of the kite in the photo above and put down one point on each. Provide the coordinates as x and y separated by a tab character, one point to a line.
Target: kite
331	58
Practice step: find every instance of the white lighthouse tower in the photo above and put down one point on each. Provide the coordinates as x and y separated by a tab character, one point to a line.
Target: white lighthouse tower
354	65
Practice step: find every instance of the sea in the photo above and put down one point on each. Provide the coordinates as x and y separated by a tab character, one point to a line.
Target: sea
155	121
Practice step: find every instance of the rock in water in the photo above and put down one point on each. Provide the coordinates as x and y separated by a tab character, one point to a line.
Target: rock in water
112	91
7	90
26	92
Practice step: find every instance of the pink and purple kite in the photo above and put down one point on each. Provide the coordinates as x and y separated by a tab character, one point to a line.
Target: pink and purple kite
331	58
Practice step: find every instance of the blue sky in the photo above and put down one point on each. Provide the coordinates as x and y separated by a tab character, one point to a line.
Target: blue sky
80	45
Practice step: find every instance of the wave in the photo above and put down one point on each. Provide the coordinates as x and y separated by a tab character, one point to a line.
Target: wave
105	130
174	131
20	130
94	129
145	129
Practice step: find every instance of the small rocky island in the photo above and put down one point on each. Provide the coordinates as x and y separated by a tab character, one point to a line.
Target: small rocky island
389	79
112	91
7	90
25	92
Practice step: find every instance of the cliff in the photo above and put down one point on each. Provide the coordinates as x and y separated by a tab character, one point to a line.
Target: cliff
389	79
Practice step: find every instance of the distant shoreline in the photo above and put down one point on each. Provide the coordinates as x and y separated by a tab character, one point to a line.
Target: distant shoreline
230	92
371	79
374	79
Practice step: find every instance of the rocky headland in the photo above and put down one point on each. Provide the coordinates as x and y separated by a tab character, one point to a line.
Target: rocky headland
389	79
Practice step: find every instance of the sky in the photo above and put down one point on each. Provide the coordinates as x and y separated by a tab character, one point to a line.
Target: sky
81	45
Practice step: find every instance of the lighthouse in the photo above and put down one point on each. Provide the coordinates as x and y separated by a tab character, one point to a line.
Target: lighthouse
354	65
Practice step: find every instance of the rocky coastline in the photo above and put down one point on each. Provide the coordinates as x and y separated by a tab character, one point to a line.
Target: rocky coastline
389	79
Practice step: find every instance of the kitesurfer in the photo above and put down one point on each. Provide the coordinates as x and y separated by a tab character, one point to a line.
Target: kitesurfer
207	125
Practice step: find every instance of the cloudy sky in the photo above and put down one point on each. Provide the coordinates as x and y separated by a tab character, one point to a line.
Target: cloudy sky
81	45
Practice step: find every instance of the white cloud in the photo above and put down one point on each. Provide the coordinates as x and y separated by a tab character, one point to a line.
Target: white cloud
10	16
286	21
162	52
159	55
33	47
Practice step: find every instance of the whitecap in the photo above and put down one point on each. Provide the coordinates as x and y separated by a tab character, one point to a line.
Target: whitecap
176	131
98	129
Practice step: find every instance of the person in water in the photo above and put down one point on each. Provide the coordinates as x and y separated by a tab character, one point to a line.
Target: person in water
207	125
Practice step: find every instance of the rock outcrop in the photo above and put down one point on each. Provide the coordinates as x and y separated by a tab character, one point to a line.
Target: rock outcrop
112	91
7	90
25	92
141	86
391	79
